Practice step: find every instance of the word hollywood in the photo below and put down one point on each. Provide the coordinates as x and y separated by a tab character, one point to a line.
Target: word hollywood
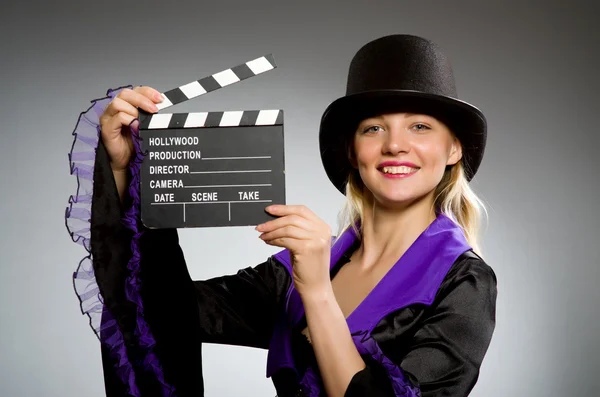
173	141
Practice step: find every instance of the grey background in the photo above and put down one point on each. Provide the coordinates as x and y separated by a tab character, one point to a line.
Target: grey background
531	67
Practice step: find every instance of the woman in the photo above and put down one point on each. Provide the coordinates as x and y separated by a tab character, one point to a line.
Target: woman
399	304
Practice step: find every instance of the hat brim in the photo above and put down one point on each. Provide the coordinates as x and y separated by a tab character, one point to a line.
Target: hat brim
341	117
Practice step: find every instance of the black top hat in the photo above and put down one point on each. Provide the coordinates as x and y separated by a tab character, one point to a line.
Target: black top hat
398	73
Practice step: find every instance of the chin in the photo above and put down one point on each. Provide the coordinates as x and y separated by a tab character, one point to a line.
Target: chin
396	199
399	198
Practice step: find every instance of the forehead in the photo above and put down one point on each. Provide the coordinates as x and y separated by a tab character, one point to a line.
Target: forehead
396	116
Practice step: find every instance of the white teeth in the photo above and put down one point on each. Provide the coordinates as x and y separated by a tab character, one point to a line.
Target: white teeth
399	170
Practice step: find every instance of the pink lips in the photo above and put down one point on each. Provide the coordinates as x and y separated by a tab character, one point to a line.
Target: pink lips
397	164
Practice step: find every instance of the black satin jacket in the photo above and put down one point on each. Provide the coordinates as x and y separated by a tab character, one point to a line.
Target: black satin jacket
439	347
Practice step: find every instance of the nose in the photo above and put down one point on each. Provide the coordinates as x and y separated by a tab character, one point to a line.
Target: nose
396	141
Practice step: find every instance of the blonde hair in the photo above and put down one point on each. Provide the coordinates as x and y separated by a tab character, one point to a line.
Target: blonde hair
453	197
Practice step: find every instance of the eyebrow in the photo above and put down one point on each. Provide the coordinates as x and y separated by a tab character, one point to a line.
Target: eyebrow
407	115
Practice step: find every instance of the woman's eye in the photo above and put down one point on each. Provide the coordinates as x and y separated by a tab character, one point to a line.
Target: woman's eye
374	128
421	127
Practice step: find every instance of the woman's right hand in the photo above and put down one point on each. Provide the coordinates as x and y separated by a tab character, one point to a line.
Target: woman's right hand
117	117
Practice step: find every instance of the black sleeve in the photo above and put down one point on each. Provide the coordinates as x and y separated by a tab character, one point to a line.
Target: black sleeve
443	356
236	309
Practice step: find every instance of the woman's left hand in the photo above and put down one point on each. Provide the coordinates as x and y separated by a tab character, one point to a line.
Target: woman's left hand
308	238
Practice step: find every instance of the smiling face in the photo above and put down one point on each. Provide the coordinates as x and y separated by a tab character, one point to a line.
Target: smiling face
401	157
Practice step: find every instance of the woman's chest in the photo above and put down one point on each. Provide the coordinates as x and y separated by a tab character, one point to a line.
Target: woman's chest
352	285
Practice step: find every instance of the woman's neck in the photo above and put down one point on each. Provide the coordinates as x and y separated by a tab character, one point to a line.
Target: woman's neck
388	232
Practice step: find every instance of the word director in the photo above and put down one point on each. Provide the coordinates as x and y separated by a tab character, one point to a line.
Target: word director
169	169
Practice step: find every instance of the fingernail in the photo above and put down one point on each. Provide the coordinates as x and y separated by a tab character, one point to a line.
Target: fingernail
154	108
158	97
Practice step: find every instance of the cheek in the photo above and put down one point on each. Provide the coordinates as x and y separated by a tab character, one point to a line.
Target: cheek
366	155
432	156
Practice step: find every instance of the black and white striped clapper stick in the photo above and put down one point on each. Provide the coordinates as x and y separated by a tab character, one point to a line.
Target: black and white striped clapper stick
210	169
218	80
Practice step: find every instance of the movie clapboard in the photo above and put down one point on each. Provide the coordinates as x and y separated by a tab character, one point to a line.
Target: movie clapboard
211	169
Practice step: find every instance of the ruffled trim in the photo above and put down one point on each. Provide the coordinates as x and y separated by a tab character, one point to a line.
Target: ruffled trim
133	283
402	386
78	223
312	385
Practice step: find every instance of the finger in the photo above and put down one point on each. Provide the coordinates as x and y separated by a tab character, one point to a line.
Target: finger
138	100
119	105
286	220
289	231
283	210
284	242
144	98
150	92
117	122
